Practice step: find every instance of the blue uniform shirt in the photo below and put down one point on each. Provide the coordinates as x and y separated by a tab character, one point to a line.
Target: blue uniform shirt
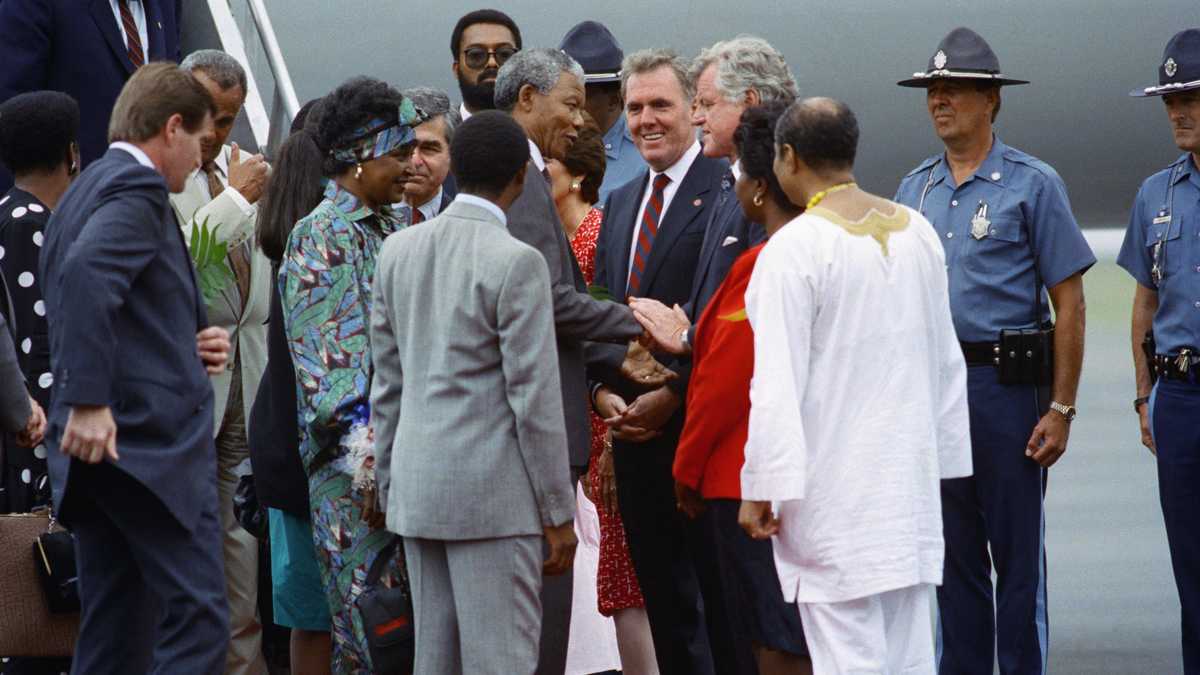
623	162
986	226
1161	252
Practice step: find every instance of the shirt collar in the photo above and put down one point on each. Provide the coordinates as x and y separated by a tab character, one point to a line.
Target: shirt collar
992	168
483	204
677	171
736	170
430	208
462	110
138	154
615	137
354	210
1189	170
535	153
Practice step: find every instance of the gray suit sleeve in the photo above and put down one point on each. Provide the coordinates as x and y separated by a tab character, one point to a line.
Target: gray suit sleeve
387	382
532	387
576	314
14	398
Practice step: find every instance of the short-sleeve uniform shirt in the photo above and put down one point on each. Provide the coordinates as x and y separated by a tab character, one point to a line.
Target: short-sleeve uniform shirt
1162	253
1005	229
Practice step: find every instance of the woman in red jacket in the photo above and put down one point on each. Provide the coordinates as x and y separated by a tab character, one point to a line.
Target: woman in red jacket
708	460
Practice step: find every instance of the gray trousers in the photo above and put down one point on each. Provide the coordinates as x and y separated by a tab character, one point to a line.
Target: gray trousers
477	604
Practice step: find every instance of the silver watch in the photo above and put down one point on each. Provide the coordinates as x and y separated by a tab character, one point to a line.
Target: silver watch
1067	411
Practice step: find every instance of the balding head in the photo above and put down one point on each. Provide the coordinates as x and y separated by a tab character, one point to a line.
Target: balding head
822	132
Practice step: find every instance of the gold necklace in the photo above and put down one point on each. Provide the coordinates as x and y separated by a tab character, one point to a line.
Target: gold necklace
816	199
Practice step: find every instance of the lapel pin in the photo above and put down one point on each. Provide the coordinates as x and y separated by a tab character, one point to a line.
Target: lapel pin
697	202
159	24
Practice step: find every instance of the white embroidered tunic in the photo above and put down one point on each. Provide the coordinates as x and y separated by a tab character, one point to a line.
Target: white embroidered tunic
858	402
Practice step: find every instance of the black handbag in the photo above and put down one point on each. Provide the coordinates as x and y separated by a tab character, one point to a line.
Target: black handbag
247	510
54	557
387	617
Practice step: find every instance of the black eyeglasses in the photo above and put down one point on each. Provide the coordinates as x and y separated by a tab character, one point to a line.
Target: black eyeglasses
477	57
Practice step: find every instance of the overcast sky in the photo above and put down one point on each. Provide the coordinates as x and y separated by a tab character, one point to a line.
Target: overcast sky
1082	56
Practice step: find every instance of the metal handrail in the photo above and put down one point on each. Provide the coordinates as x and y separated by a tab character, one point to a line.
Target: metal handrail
283	79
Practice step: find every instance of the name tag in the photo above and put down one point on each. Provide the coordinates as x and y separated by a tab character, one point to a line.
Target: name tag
1162	219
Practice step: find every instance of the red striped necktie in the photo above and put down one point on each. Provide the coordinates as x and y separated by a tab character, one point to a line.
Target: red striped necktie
650	219
133	40
417	216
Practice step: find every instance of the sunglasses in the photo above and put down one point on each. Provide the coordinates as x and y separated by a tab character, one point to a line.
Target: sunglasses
477	57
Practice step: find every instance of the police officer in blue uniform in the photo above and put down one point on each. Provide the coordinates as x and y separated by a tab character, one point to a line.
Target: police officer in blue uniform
1162	253
597	50
1005	222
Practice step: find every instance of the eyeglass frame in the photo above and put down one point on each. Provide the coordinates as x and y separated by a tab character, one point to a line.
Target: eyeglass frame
489	55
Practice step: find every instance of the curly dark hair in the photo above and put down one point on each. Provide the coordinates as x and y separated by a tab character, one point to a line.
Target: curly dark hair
487	152
350	107
586	158
493	16
37	130
755	140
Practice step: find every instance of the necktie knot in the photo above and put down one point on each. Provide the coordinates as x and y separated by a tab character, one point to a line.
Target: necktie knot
661	181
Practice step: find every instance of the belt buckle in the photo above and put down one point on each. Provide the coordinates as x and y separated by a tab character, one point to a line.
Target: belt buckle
1183	362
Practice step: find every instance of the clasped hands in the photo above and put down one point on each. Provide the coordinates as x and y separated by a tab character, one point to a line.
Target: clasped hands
642	419
91	431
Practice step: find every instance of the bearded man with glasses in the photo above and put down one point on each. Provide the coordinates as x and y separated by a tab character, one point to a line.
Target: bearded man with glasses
481	42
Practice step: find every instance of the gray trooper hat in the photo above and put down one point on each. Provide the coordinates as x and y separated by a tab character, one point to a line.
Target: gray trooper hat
962	55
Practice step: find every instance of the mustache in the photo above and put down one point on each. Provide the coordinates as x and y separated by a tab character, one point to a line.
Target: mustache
488	73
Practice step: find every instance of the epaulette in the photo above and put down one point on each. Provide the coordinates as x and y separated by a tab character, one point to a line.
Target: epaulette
923	166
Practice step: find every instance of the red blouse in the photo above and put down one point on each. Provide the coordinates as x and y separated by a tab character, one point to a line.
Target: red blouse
711	448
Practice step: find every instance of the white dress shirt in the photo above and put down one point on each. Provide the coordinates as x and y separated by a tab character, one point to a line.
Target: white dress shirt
858	405
463	112
138	11
483	203
137	153
535	153
676	172
429	209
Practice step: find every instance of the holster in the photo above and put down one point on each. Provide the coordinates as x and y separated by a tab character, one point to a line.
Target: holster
1026	356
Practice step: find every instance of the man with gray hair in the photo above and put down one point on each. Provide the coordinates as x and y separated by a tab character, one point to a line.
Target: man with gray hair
543	91
428	185
221	196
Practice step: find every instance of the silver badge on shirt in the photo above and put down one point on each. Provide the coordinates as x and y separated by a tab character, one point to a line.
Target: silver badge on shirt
980	225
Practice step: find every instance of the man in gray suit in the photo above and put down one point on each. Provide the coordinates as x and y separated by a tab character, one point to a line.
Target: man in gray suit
470	441
543	91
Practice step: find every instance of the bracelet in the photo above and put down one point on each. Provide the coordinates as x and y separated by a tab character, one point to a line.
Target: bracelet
1138	402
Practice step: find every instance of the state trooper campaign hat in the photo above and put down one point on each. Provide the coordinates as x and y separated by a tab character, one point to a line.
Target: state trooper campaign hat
962	55
1180	66
594	47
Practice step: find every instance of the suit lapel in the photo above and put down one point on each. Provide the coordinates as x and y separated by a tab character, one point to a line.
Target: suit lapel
714	236
624	218
107	23
687	203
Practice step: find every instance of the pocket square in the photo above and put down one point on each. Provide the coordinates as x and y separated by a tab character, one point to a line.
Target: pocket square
728	241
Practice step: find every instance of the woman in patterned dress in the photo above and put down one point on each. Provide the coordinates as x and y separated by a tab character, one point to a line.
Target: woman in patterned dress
366	131
575	186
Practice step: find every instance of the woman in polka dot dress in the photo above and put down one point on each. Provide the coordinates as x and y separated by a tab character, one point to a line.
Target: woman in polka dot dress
37	144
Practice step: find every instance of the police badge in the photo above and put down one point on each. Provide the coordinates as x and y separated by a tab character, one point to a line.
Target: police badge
1170	67
980	225
939	59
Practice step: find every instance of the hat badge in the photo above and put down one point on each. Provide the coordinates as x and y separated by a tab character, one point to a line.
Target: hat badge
1170	67
939	59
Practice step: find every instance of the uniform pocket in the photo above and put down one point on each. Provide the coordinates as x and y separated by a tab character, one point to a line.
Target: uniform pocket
1002	248
1163	246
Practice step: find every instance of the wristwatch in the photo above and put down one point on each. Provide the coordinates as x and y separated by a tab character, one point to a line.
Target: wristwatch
1067	411
683	339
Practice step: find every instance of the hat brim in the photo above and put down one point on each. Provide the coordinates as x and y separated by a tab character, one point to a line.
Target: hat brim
601	78
1164	89
923	80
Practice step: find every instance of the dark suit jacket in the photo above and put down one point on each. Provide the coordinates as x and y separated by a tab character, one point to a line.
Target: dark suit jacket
124	309
729	234
272	433
75	46
577	316
670	269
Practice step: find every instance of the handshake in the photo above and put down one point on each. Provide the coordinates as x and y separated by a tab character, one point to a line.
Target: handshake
644	418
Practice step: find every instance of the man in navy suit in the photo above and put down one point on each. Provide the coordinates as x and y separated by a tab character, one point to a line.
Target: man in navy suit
648	247
84	48
132	463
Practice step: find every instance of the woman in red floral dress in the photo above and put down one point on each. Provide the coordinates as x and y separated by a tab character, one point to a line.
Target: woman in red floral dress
575	182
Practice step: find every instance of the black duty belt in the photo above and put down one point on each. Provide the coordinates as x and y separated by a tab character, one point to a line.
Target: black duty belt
981	353
1182	366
